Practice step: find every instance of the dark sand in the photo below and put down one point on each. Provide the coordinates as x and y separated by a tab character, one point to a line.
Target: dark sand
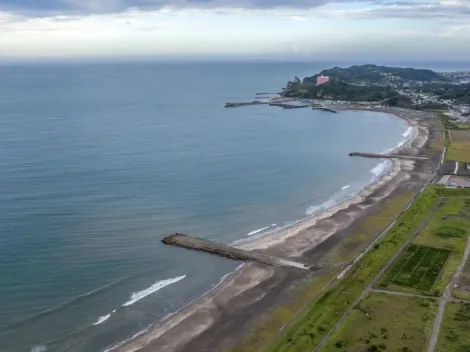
219	319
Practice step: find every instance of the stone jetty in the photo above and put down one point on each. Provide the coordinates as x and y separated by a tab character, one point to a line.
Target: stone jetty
199	244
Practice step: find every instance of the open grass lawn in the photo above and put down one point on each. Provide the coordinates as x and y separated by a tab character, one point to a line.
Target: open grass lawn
459	151
383	322
417	267
310	327
454	335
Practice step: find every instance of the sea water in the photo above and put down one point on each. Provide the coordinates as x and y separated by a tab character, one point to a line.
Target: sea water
100	161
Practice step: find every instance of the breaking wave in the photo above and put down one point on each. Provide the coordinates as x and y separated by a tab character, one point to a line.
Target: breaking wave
382	168
41	348
408	132
345	187
137	296
102	319
257	231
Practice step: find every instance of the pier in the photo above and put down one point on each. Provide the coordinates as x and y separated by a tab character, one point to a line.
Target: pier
388	156
223	250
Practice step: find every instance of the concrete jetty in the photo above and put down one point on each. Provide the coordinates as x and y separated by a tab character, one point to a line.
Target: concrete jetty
388	156
290	106
324	109
247	103
199	244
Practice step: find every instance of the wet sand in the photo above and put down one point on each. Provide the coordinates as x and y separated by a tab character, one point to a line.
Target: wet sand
217	320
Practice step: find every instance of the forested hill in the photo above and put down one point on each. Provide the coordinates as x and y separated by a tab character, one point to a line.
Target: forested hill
378	75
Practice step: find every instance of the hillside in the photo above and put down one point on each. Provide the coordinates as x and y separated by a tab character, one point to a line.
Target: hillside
373	74
340	90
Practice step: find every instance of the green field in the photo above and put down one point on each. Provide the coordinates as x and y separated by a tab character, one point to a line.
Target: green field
459	151
448	228
454	334
417	267
308	330
428	264
383	322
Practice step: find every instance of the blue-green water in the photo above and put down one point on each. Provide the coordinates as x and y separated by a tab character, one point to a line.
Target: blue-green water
100	162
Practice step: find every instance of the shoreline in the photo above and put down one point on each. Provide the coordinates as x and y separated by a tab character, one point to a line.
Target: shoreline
296	240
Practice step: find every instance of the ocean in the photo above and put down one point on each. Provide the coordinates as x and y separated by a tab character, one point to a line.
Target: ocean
100	161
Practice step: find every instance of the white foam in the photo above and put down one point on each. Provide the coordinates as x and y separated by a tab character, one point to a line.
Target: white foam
381	168
400	144
408	133
137	296
326	205
257	231
345	187
102	319
41	348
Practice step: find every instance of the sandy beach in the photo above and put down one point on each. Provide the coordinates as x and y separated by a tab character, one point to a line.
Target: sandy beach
218	319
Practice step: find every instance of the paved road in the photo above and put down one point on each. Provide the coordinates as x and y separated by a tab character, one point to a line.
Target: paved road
447	297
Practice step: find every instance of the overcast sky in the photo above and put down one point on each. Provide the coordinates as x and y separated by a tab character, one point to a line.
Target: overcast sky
432	30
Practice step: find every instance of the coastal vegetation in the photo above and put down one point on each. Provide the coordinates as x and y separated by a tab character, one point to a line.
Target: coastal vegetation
340	90
446	91
385	322
453	335
309	329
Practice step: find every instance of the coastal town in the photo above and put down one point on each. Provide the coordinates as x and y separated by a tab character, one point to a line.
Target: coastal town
371	86
448	91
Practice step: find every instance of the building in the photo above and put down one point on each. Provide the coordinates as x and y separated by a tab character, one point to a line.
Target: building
322	79
456	182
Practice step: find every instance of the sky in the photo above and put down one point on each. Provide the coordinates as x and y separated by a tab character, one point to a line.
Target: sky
410	30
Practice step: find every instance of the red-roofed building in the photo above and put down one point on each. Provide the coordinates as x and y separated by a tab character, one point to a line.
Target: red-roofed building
322	79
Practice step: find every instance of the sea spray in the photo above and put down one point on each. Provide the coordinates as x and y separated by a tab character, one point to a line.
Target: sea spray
137	296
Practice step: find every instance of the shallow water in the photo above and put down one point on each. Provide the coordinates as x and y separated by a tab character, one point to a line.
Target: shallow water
100	162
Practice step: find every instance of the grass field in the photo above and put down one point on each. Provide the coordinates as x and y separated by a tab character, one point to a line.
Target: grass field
454	335
267	329
448	228
354	243
460	136
417	267
383	322
459	151
308	330
435	253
